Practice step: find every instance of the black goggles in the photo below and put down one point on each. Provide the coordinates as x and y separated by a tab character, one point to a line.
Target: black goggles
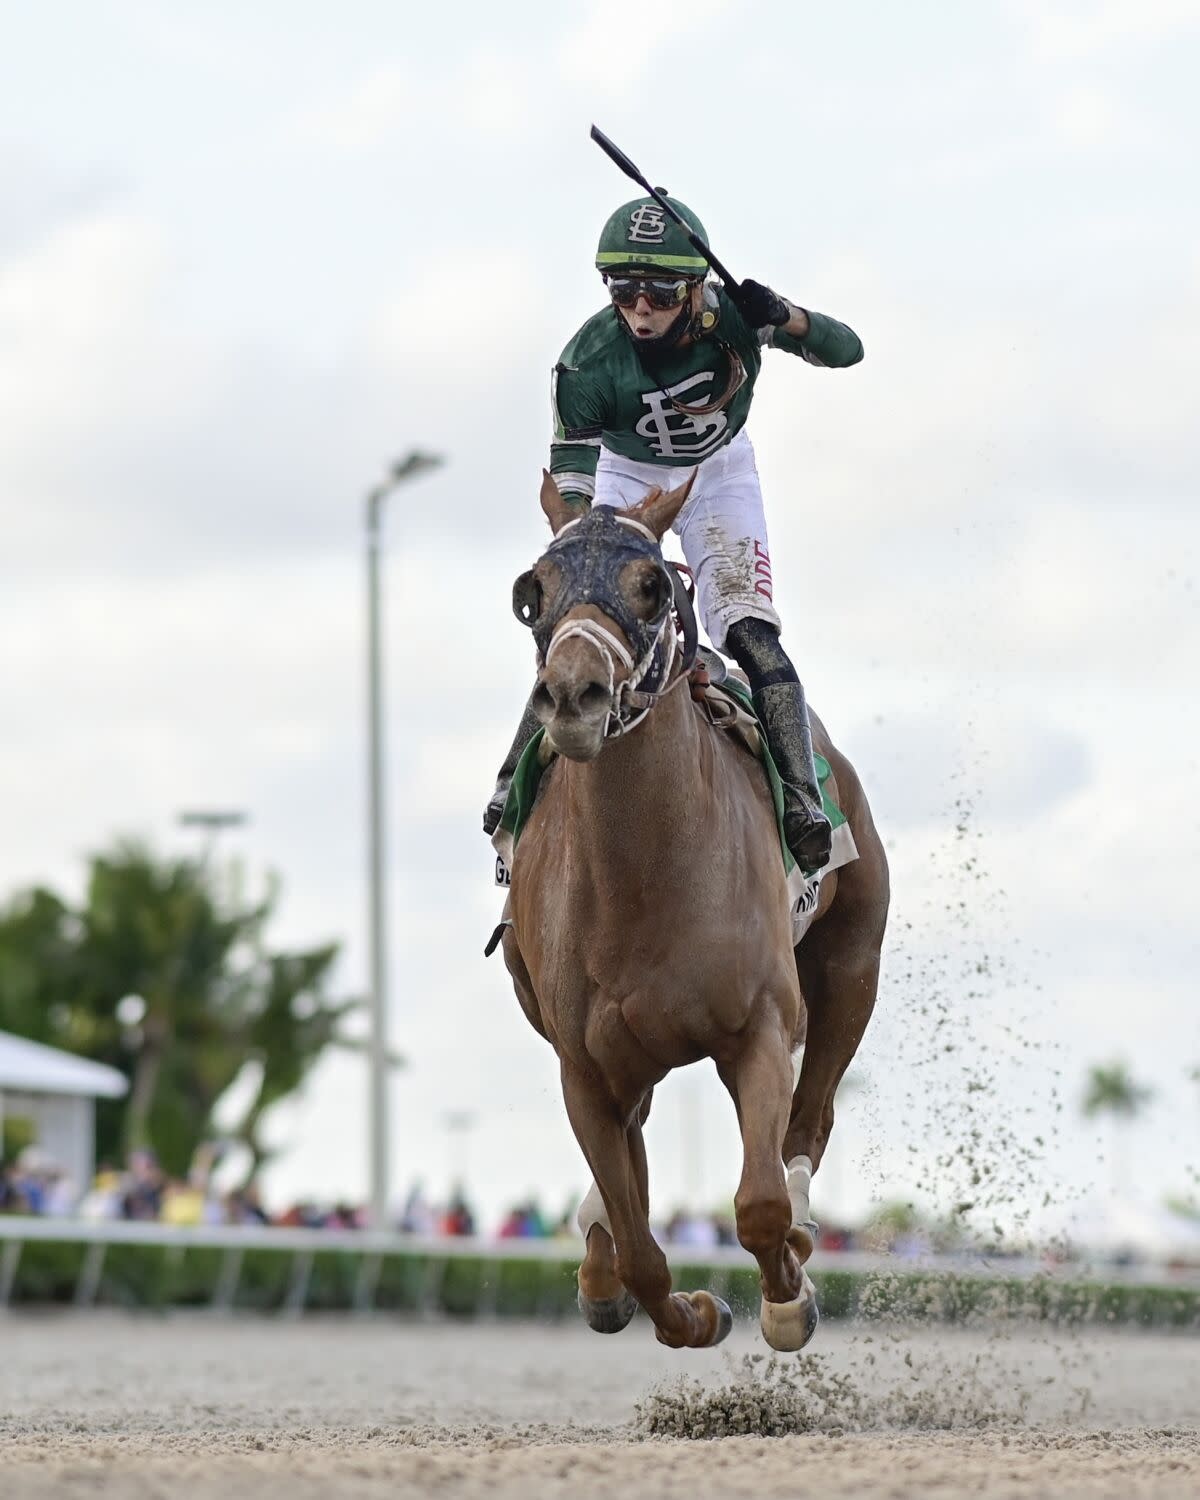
625	291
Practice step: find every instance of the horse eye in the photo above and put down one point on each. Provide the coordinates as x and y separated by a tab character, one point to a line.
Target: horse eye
652	591
527	598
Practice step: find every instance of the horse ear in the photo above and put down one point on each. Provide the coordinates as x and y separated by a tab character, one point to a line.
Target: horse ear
659	509
557	510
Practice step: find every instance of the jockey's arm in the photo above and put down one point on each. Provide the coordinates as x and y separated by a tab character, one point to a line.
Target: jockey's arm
579	415
818	339
569	470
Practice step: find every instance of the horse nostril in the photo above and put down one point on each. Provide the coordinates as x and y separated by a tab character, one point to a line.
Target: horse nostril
543	699
593	698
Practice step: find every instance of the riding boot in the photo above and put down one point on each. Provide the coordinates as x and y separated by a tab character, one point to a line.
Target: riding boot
528	727
779	702
784	715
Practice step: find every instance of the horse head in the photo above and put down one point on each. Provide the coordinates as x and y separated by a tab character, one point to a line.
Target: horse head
598	601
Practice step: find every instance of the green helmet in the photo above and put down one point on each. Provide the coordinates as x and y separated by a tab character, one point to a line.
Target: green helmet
640	236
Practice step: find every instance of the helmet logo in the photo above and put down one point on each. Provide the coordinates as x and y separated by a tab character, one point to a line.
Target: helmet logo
647	225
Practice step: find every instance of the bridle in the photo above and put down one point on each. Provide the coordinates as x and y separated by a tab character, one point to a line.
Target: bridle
648	677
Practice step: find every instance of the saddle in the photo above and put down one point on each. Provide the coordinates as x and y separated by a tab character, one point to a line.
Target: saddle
723	695
719	692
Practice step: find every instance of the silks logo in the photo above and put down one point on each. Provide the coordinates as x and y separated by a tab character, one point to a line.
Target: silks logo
674	434
647	225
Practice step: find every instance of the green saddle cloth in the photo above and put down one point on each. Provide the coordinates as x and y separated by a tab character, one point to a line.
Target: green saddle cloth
530	770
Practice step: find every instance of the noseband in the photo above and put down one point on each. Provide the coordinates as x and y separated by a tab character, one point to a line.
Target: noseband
590	552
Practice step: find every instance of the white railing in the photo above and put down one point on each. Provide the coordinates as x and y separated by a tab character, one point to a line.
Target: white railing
371	1246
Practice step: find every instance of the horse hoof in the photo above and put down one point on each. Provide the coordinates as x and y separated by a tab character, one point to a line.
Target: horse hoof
788	1326
608	1314
716	1309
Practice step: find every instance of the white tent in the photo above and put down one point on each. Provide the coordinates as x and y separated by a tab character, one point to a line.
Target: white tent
56	1092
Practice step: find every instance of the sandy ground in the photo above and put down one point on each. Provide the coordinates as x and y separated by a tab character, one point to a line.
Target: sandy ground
194	1407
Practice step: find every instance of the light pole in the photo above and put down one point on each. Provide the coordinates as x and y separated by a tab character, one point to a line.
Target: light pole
409	467
214	821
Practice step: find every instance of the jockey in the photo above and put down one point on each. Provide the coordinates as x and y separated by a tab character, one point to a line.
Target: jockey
661	380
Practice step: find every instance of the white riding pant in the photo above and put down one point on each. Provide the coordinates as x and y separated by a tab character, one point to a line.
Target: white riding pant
722	527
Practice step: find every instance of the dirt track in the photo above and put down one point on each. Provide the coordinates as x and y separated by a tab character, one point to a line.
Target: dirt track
191	1407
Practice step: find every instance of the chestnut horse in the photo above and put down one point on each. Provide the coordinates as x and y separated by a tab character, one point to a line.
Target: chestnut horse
649	927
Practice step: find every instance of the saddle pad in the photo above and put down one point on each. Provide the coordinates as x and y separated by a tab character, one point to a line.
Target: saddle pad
522	794
803	891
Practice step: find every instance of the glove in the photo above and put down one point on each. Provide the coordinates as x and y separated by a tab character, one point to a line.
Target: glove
759	305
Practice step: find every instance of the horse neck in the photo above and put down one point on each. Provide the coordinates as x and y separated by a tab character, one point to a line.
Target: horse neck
643	795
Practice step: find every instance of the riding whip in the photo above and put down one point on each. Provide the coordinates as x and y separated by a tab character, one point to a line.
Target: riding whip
614	151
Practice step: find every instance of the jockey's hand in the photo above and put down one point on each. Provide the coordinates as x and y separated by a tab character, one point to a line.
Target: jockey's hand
759	305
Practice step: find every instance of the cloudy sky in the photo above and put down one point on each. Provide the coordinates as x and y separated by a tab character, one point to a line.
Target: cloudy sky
251	254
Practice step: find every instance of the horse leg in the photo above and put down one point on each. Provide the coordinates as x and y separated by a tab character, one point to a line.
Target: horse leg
603	1299
838	965
693	1320
759	1080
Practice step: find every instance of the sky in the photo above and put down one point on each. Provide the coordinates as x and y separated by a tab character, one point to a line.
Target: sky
249	256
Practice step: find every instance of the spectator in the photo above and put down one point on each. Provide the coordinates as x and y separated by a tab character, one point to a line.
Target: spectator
417	1215
524	1222
30	1176
105	1198
458	1218
301	1215
183	1204
344	1216
144	1187
726	1229
686	1228
61	1194
567	1227
12	1199
243	1206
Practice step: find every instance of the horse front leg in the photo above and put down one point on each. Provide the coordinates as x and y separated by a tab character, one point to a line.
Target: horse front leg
692	1320
603	1298
760	1081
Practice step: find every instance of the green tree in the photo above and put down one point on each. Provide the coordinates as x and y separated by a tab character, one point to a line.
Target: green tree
157	975
1111	1090
1187	1203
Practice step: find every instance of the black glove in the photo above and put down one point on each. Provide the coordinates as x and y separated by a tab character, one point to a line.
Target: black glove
759	305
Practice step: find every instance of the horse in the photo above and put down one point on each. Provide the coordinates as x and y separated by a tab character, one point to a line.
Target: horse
648	926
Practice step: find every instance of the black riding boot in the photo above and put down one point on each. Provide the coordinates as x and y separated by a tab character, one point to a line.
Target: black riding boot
528	727
779	703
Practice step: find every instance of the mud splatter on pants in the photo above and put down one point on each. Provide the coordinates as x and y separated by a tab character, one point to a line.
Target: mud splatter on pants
722	528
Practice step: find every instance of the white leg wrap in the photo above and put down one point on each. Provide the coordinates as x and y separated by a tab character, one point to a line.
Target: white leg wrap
799	1181
592	1211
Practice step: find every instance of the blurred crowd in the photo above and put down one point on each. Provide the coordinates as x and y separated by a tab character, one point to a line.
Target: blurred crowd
33	1183
142	1190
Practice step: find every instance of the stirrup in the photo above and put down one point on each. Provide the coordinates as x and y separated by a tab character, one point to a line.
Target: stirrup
808	833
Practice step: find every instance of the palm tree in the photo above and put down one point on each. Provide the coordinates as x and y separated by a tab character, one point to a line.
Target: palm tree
1111	1090
160	976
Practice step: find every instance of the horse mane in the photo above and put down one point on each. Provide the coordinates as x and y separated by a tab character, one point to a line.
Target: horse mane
647	500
